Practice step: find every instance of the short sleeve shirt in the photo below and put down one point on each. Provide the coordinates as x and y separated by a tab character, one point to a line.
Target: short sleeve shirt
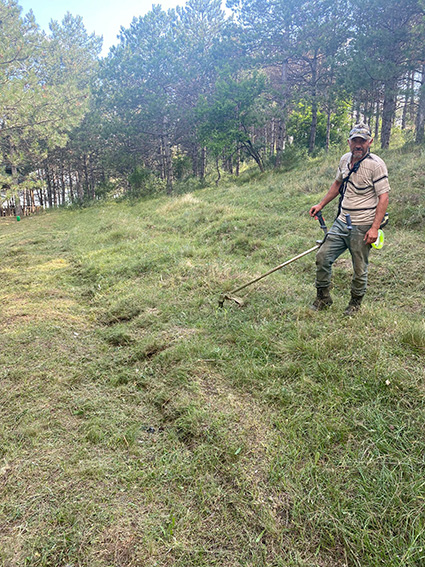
363	188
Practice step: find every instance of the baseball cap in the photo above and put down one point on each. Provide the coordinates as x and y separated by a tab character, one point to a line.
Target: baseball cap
360	131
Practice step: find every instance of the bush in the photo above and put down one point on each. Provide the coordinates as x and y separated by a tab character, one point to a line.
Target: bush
300	122
105	189
182	167
291	157
144	183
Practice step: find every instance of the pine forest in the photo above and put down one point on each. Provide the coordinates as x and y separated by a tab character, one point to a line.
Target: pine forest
199	91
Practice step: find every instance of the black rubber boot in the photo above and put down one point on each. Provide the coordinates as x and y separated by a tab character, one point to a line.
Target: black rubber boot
354	305
323	299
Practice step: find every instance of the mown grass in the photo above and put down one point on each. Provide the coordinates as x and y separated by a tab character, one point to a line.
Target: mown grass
143	425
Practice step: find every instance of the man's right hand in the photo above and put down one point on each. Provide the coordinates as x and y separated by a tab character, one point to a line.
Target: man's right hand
314	210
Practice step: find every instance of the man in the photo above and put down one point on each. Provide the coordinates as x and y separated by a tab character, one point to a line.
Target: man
362	183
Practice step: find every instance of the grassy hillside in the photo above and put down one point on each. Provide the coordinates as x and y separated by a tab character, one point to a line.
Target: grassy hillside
142	425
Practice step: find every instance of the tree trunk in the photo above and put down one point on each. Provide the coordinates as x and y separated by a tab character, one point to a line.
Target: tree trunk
32	198
195	159
281	124
39	191
357	118
86	178
71	191
54	187
63	187
280	141
229	165
27	202
377	118
251	150
367	112
18	208
217	165
80	190
406	102
92	178
412	99
420	117
203	163
388	111
272	141
168	163
49	186
328	130
313	127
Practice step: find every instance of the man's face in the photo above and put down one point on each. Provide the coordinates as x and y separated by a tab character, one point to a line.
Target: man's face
359	147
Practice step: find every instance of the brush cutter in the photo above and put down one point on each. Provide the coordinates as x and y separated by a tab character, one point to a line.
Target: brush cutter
231	297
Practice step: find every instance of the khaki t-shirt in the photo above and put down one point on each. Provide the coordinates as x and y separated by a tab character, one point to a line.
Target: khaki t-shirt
363	188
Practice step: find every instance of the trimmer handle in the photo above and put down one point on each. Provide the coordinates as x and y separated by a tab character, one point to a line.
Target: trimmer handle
384	221
348	220
322	222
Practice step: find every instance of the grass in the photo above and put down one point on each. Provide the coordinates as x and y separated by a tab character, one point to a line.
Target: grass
143	425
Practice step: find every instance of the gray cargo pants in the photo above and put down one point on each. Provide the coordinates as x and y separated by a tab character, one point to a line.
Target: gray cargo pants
338	240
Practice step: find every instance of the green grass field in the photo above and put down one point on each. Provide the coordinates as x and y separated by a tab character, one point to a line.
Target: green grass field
142	425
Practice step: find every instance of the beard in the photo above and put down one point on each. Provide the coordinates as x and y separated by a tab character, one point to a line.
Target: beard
359	153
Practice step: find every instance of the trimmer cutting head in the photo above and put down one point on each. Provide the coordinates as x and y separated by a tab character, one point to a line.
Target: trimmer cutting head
238	300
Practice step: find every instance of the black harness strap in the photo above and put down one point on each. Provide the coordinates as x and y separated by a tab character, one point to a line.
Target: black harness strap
344	183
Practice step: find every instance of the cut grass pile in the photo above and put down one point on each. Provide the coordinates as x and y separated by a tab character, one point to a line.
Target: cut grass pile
143	425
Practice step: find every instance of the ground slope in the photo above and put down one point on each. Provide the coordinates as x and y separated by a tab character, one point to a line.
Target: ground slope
143	425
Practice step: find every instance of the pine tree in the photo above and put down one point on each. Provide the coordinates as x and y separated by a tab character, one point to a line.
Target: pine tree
41	96
387	43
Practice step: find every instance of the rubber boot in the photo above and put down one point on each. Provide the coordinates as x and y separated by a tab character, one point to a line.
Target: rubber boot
323	299
354	305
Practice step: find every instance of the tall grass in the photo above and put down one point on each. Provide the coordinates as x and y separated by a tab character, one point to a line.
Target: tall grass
143	425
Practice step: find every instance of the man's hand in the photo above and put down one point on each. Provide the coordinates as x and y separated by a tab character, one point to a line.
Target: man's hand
314	210
371	235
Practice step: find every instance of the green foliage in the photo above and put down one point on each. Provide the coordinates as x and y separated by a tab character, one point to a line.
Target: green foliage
300	122
106	190
225	119
182	166
143	183
138	96
292	157
138	179
385	49
74	53
44	93
44	97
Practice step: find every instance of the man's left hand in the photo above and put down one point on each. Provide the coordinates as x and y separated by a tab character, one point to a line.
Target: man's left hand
371	235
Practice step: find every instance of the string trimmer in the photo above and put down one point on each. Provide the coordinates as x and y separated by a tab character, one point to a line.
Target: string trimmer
231	297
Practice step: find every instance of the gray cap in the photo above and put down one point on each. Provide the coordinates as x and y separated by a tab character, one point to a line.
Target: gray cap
360	131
